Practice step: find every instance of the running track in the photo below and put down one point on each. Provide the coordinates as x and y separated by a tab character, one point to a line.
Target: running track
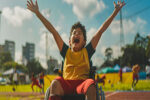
135	95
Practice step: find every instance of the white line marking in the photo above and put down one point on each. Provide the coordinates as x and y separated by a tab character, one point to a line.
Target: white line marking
111	94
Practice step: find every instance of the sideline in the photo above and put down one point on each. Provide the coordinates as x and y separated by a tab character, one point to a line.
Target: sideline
111	94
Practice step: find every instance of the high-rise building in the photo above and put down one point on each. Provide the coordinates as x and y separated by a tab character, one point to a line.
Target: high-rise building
9	46
52	64
1	48
28	52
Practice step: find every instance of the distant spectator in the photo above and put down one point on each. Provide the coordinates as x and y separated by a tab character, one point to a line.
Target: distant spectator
135	70
42	80
101	79
35	82
120	74
147	69
15	80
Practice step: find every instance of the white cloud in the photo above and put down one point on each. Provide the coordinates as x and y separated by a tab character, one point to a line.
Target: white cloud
116	51
129	26
42	59
18	57
115	48
97	60
58	28
90	33
16	15
83	8
46	13
65	38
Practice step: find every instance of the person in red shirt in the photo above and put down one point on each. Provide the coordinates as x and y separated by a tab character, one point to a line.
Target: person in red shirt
35	82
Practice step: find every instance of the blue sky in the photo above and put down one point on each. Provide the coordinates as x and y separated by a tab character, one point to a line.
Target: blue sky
20	25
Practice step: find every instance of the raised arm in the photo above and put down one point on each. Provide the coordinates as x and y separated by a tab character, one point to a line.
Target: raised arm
35	9
105	25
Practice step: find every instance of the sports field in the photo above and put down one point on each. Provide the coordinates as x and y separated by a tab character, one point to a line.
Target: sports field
119	91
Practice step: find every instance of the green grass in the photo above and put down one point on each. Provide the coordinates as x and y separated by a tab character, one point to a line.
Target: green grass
142	85
20	88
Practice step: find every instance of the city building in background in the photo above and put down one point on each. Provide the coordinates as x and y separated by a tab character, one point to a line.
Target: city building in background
28	52
1	48
9	46
52	64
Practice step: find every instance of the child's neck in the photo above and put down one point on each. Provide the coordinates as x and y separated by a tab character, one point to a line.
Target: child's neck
76	49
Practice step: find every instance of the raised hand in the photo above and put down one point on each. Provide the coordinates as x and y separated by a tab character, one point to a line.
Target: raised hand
119	5
32	7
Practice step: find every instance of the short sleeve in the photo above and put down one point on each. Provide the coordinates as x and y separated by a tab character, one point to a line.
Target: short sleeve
64	50
90	50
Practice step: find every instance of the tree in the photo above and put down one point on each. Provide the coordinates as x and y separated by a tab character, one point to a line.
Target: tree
108	61
12	64
108	53
148	51
34	66
5	57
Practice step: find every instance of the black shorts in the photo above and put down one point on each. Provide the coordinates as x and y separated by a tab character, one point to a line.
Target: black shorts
41	81
16	82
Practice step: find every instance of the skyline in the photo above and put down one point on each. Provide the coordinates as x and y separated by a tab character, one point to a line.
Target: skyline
20	25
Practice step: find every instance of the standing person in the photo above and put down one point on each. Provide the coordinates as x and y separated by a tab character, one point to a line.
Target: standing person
135	70
76	56
101	79
42	80
120	74
15	80
35	82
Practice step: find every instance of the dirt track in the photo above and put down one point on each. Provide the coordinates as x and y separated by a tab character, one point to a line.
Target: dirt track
24	95
139	95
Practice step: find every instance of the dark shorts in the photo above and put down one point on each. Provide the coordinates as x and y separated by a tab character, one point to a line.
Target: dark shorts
135	76
16	82
41	81
75	86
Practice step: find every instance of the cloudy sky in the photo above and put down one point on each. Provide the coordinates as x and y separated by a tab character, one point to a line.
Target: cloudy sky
20	25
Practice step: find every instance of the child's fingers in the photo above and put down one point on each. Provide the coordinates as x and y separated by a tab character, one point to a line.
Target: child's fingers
31	3
114	3
36	2
28	3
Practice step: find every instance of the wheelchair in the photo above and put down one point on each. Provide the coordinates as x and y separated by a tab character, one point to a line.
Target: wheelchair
100	95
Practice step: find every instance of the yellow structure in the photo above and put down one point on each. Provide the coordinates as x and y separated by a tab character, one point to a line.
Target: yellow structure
113	78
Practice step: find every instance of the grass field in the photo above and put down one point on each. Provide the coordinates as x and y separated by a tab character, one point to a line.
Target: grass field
143	85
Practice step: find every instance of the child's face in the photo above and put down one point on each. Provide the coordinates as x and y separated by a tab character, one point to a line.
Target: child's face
77	40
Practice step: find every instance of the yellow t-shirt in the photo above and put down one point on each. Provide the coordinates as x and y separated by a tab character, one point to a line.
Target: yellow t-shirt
76	65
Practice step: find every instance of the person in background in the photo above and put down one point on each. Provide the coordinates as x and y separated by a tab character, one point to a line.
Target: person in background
15	80
135	70
101	79
35	82
42	80
120	74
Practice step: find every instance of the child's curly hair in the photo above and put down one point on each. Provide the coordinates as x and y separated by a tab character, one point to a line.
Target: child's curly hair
82	27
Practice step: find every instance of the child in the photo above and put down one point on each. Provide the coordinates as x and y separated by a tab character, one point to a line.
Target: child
101	79
41	76
76	57
35	82
135	70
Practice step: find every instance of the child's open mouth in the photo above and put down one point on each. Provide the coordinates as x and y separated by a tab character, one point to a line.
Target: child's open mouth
76	41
